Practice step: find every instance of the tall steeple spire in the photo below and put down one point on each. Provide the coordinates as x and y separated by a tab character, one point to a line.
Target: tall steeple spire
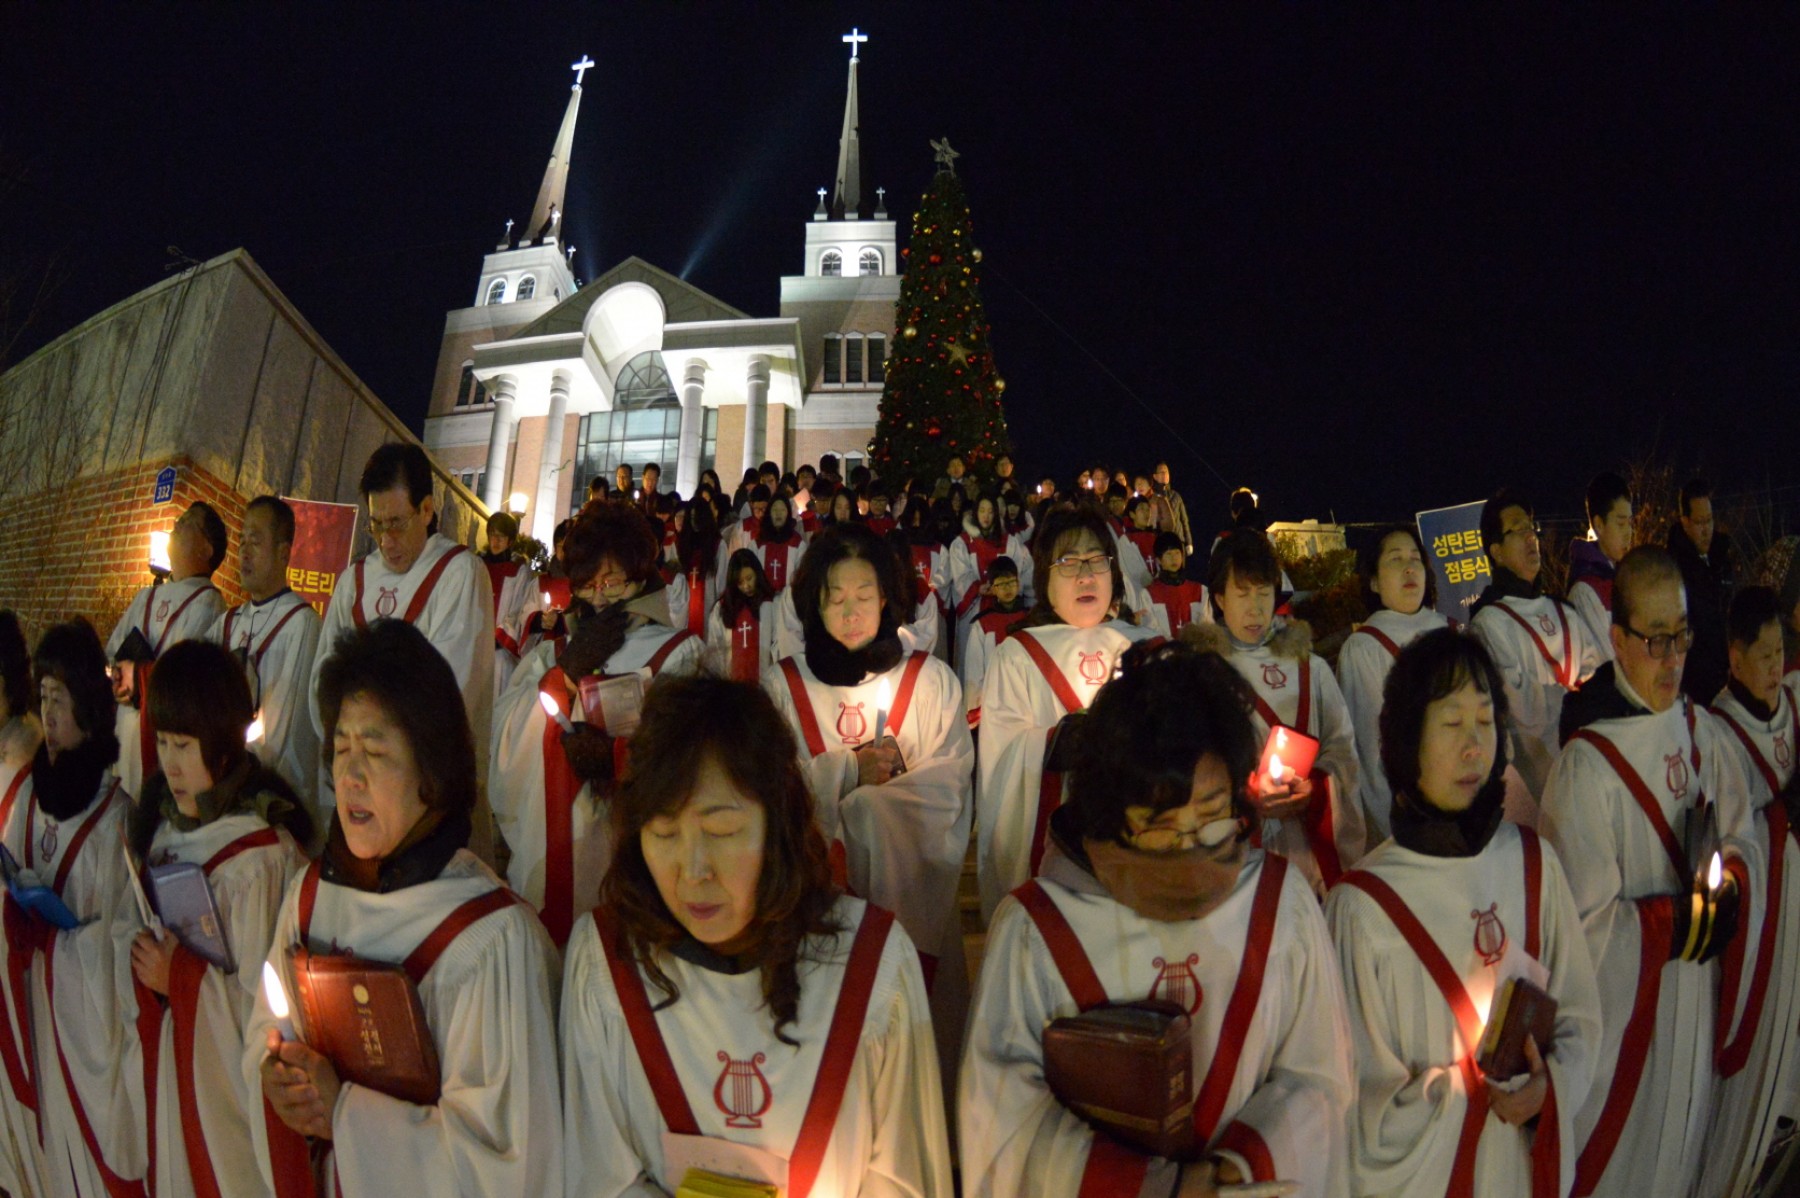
546	215
846	202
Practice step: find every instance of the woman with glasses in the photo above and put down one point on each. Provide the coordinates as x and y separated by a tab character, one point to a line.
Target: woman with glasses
886	748
1150	890
555	759
1431	926
1039	682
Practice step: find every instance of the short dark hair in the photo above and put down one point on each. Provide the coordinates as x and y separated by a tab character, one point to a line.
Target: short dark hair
15	665
1603	491
212	527
1492	532
1752	610
1166	541
686	722
280	514
615	530
1148	728
759	493
597	487
806	468
1242	500
1643	566
1058	527
649	466
1134	503
844	542
1432	667
1246	553
1368	564
391	664
394	463
1692	489
198	689
72	654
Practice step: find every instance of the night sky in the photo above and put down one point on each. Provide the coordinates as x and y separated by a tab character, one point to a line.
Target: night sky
1366	263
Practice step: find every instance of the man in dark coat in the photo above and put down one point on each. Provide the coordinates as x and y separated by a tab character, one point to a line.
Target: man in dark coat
1709	571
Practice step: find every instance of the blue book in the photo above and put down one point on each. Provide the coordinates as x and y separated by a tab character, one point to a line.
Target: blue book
33	895
184	900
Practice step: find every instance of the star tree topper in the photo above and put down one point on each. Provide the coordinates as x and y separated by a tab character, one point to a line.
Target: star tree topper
946	157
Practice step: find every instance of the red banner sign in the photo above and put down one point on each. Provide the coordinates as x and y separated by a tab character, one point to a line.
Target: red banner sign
324	534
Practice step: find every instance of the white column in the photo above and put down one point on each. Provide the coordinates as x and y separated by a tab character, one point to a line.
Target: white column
756	413
544	509
504	389
693	420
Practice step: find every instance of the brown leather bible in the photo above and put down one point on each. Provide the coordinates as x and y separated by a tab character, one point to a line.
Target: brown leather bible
1128	1071
1520	1010
365	1017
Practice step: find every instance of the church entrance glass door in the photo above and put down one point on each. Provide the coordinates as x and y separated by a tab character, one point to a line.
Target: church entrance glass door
644	426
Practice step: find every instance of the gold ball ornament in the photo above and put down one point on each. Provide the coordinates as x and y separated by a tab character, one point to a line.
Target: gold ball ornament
978	255
909	332
999	384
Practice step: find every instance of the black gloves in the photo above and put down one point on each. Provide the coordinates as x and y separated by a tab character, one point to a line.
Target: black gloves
1059	753
590	753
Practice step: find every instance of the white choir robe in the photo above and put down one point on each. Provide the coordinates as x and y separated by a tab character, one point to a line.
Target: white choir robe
1362	669
165	613
1411	1094
490	1002
1759	1060
1171	610
986	632
780	562
283	673
248	889
1276	681
889	1140
516	769
458	620
1136	571
750	640
21	1156
1292	1082
1596	615
1534	691
682	613
930	569
967	562
1621	878
514	602
905	840
81	998
1018	709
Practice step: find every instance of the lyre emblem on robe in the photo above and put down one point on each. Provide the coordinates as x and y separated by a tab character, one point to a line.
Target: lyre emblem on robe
742	1092
47	840
1092	668
1175	982
1547	624
1676	775
162	611
387	601
1490	934
851	725
1784	752
1274	677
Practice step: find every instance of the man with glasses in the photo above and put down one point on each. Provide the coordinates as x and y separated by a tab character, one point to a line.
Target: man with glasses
274	635
419	575
1645	793
1540	645
1709	569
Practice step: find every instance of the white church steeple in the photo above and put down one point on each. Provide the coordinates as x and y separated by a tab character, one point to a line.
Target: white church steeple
545	224
846	202
845	240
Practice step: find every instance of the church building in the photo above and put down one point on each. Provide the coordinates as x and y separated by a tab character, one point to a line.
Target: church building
543	384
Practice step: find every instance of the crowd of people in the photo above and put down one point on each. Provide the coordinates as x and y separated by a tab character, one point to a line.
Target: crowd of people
636	869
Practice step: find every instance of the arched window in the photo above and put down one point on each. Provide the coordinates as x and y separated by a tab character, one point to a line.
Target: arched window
643	426
853	358
870	263
831	264
834	360
497	292
527	288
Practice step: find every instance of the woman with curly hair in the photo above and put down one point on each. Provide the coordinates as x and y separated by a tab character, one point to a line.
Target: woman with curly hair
726	990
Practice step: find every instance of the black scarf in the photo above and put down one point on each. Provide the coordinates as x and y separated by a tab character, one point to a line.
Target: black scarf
1426	829
1752	704
66	786
1506	585
421	857
835	665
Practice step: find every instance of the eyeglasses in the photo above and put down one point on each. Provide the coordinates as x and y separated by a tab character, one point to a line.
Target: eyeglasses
1661	645
1209	835
1524	530
1078	567
380	528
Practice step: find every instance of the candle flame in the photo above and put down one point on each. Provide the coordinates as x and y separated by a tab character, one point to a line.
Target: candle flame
1276	769
254	732
159	551
548	704
274	993
1715	872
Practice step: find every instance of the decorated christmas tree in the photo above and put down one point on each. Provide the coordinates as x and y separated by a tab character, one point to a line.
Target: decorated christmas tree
942	394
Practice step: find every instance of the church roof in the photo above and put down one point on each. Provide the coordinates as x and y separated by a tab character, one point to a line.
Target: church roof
683	302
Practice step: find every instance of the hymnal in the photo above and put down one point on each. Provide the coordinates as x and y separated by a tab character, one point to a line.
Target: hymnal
31	893
365	1017
1128	1071
184	901
614	704
1521	1009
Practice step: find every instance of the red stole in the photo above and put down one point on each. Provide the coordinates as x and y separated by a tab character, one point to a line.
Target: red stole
1177	600
498	573
775	559
746	645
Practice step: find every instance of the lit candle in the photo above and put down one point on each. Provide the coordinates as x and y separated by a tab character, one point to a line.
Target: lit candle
1715	874
159	553
882	697
1276	770
254	732
554	712
275	994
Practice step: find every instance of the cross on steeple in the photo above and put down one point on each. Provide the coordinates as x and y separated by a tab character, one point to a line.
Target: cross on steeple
581	68
855	37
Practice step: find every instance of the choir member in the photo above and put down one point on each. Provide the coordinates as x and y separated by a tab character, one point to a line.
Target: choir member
20	732
422	577
212	804
397	884
1779	570
1757	1047
1400	591
982	539
180	609
1175	600
1140	531
67	991
1431	925
1315	821
884	739
740	631
693	585
1594	560
725	990
274	635
777	543
1150	890
515	593
880	519
550	780
1040	680
1645	787
1003	606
